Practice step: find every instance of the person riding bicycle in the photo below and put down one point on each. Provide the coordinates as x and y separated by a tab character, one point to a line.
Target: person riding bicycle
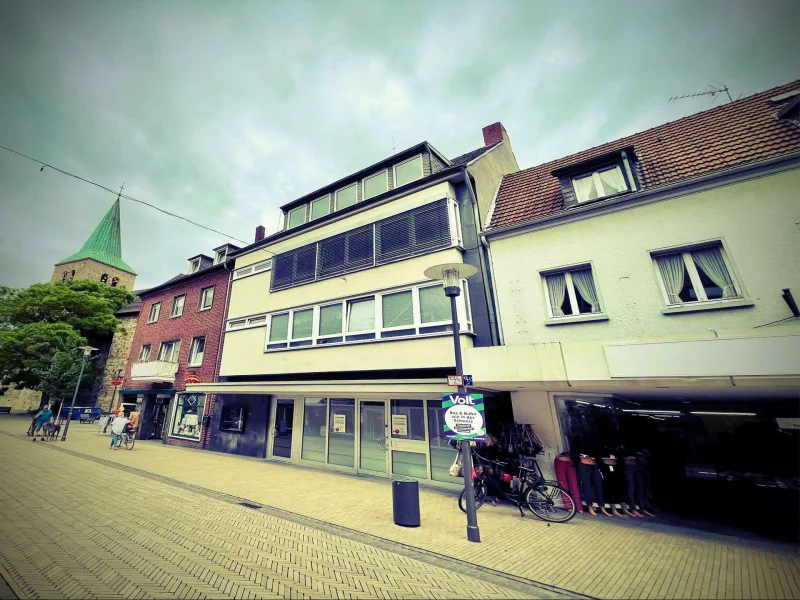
118	427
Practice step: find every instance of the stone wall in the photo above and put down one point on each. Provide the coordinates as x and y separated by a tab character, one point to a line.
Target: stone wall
116	360
20	401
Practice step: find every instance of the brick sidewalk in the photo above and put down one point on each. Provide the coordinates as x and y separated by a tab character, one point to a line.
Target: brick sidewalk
596	557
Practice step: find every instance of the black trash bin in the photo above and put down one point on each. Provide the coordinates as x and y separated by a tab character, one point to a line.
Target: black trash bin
405	501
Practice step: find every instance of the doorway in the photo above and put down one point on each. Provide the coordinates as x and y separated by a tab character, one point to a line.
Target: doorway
160	412
373	441
282	419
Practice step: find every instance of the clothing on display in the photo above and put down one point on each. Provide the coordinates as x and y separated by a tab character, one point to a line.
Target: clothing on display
614	483
637	479
591	484
568	478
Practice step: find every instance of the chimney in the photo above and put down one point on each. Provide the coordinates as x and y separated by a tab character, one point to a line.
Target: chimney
494	133
260	232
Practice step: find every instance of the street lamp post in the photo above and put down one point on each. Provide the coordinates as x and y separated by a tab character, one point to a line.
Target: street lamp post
87	350
450	275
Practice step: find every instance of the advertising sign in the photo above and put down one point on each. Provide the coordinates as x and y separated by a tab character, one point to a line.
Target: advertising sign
463	416
339	423
400	425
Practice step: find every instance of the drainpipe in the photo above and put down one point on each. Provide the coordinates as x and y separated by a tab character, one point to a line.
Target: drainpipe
219	348
488	288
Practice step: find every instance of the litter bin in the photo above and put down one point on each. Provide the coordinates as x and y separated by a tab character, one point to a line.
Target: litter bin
405	501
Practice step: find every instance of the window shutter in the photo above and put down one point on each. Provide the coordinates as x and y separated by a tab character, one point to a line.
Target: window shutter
346	252
294	267
420	230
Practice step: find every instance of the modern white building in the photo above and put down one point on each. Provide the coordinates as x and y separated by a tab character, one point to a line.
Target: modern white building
336	346
645	295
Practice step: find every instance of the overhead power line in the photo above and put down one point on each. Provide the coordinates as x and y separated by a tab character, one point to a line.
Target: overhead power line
125	196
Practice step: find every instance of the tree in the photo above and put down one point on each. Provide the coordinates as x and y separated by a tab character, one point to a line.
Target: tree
87	306
59	379
28	351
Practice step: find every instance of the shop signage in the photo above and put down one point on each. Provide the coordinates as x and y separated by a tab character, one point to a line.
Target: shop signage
459	380
116	381
400	425
463	416
340	423
192	379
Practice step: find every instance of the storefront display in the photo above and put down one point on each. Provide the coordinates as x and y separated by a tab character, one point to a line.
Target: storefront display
697	458
188	416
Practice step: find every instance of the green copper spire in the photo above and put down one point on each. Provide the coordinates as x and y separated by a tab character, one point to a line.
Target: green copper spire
105	243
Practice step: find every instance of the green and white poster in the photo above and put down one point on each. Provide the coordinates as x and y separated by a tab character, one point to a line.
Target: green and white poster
463	416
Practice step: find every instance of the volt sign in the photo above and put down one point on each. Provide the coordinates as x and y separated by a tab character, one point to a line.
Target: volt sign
463	416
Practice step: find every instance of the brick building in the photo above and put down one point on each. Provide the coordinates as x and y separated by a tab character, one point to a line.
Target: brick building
177	337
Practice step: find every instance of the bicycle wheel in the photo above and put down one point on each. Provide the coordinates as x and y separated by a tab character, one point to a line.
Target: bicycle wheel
32	429
480	496
550	502
129	442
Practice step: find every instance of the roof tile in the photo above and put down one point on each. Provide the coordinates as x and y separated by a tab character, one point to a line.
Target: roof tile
737	133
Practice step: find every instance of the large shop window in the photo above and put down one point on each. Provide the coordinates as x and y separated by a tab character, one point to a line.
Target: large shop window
442	453
418	231
342	432
188	419
315	418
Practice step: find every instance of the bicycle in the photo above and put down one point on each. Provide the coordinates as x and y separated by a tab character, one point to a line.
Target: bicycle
129	439
546	500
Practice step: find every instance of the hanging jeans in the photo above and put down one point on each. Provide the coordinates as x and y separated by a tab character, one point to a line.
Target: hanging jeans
591	484
635	477
565	474
613	482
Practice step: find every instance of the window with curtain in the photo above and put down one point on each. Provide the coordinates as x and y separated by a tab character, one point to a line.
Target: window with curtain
572	293
599	184
278	331
696	275
361	318
398	314
302	327
330	324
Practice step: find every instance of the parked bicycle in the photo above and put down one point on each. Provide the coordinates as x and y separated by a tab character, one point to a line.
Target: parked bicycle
545	499
129	439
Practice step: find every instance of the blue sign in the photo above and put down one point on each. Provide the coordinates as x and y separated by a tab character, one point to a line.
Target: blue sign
467	379
463	416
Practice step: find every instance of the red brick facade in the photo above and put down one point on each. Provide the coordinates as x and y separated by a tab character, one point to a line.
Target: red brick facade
192	323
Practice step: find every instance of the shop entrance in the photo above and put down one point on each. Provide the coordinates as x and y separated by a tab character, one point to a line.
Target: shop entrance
160	412
282	419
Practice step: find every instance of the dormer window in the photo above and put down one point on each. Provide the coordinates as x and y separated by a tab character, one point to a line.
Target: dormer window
194	265
376	185
602	176
297	217
346	196
408	171
220	256
599	184
320	207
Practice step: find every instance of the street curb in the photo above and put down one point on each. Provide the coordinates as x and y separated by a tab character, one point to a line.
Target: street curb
507	580
7	583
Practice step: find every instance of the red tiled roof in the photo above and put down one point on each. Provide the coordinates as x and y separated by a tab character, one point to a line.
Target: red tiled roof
733	134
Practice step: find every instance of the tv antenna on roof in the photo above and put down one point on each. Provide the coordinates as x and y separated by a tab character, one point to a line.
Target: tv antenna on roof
394	146
713	91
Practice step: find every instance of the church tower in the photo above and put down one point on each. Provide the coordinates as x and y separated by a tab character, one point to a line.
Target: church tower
100	258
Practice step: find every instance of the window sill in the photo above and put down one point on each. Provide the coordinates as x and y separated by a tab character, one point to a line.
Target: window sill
577	319
709	305
194	366
176	316
601	198
371	341
204	309
151	322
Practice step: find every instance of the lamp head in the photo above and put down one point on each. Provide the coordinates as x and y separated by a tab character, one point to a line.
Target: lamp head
451	274
87	350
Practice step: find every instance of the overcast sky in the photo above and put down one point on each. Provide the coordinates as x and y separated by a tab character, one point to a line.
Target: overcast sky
223	111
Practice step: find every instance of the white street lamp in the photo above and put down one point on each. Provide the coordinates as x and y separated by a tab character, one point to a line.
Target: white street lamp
87	350
451	274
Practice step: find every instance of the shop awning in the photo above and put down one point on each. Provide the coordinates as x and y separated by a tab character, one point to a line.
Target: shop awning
345	389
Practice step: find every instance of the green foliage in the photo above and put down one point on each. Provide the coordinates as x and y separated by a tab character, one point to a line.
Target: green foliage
87	306
28	351
59	379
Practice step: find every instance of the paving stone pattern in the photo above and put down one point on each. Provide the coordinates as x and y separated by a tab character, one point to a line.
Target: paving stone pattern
600	557
78	529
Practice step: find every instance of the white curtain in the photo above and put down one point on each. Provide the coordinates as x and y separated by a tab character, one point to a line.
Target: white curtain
613	181
584	188
713	265
585	285
557	288
672	269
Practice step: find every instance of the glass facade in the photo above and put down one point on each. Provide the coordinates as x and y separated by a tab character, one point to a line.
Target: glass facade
315	412
342	432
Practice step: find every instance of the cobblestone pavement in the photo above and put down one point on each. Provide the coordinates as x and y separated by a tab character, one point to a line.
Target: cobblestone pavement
73	528
600	557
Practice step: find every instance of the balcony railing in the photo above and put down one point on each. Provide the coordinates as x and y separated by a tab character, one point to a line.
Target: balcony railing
154	370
